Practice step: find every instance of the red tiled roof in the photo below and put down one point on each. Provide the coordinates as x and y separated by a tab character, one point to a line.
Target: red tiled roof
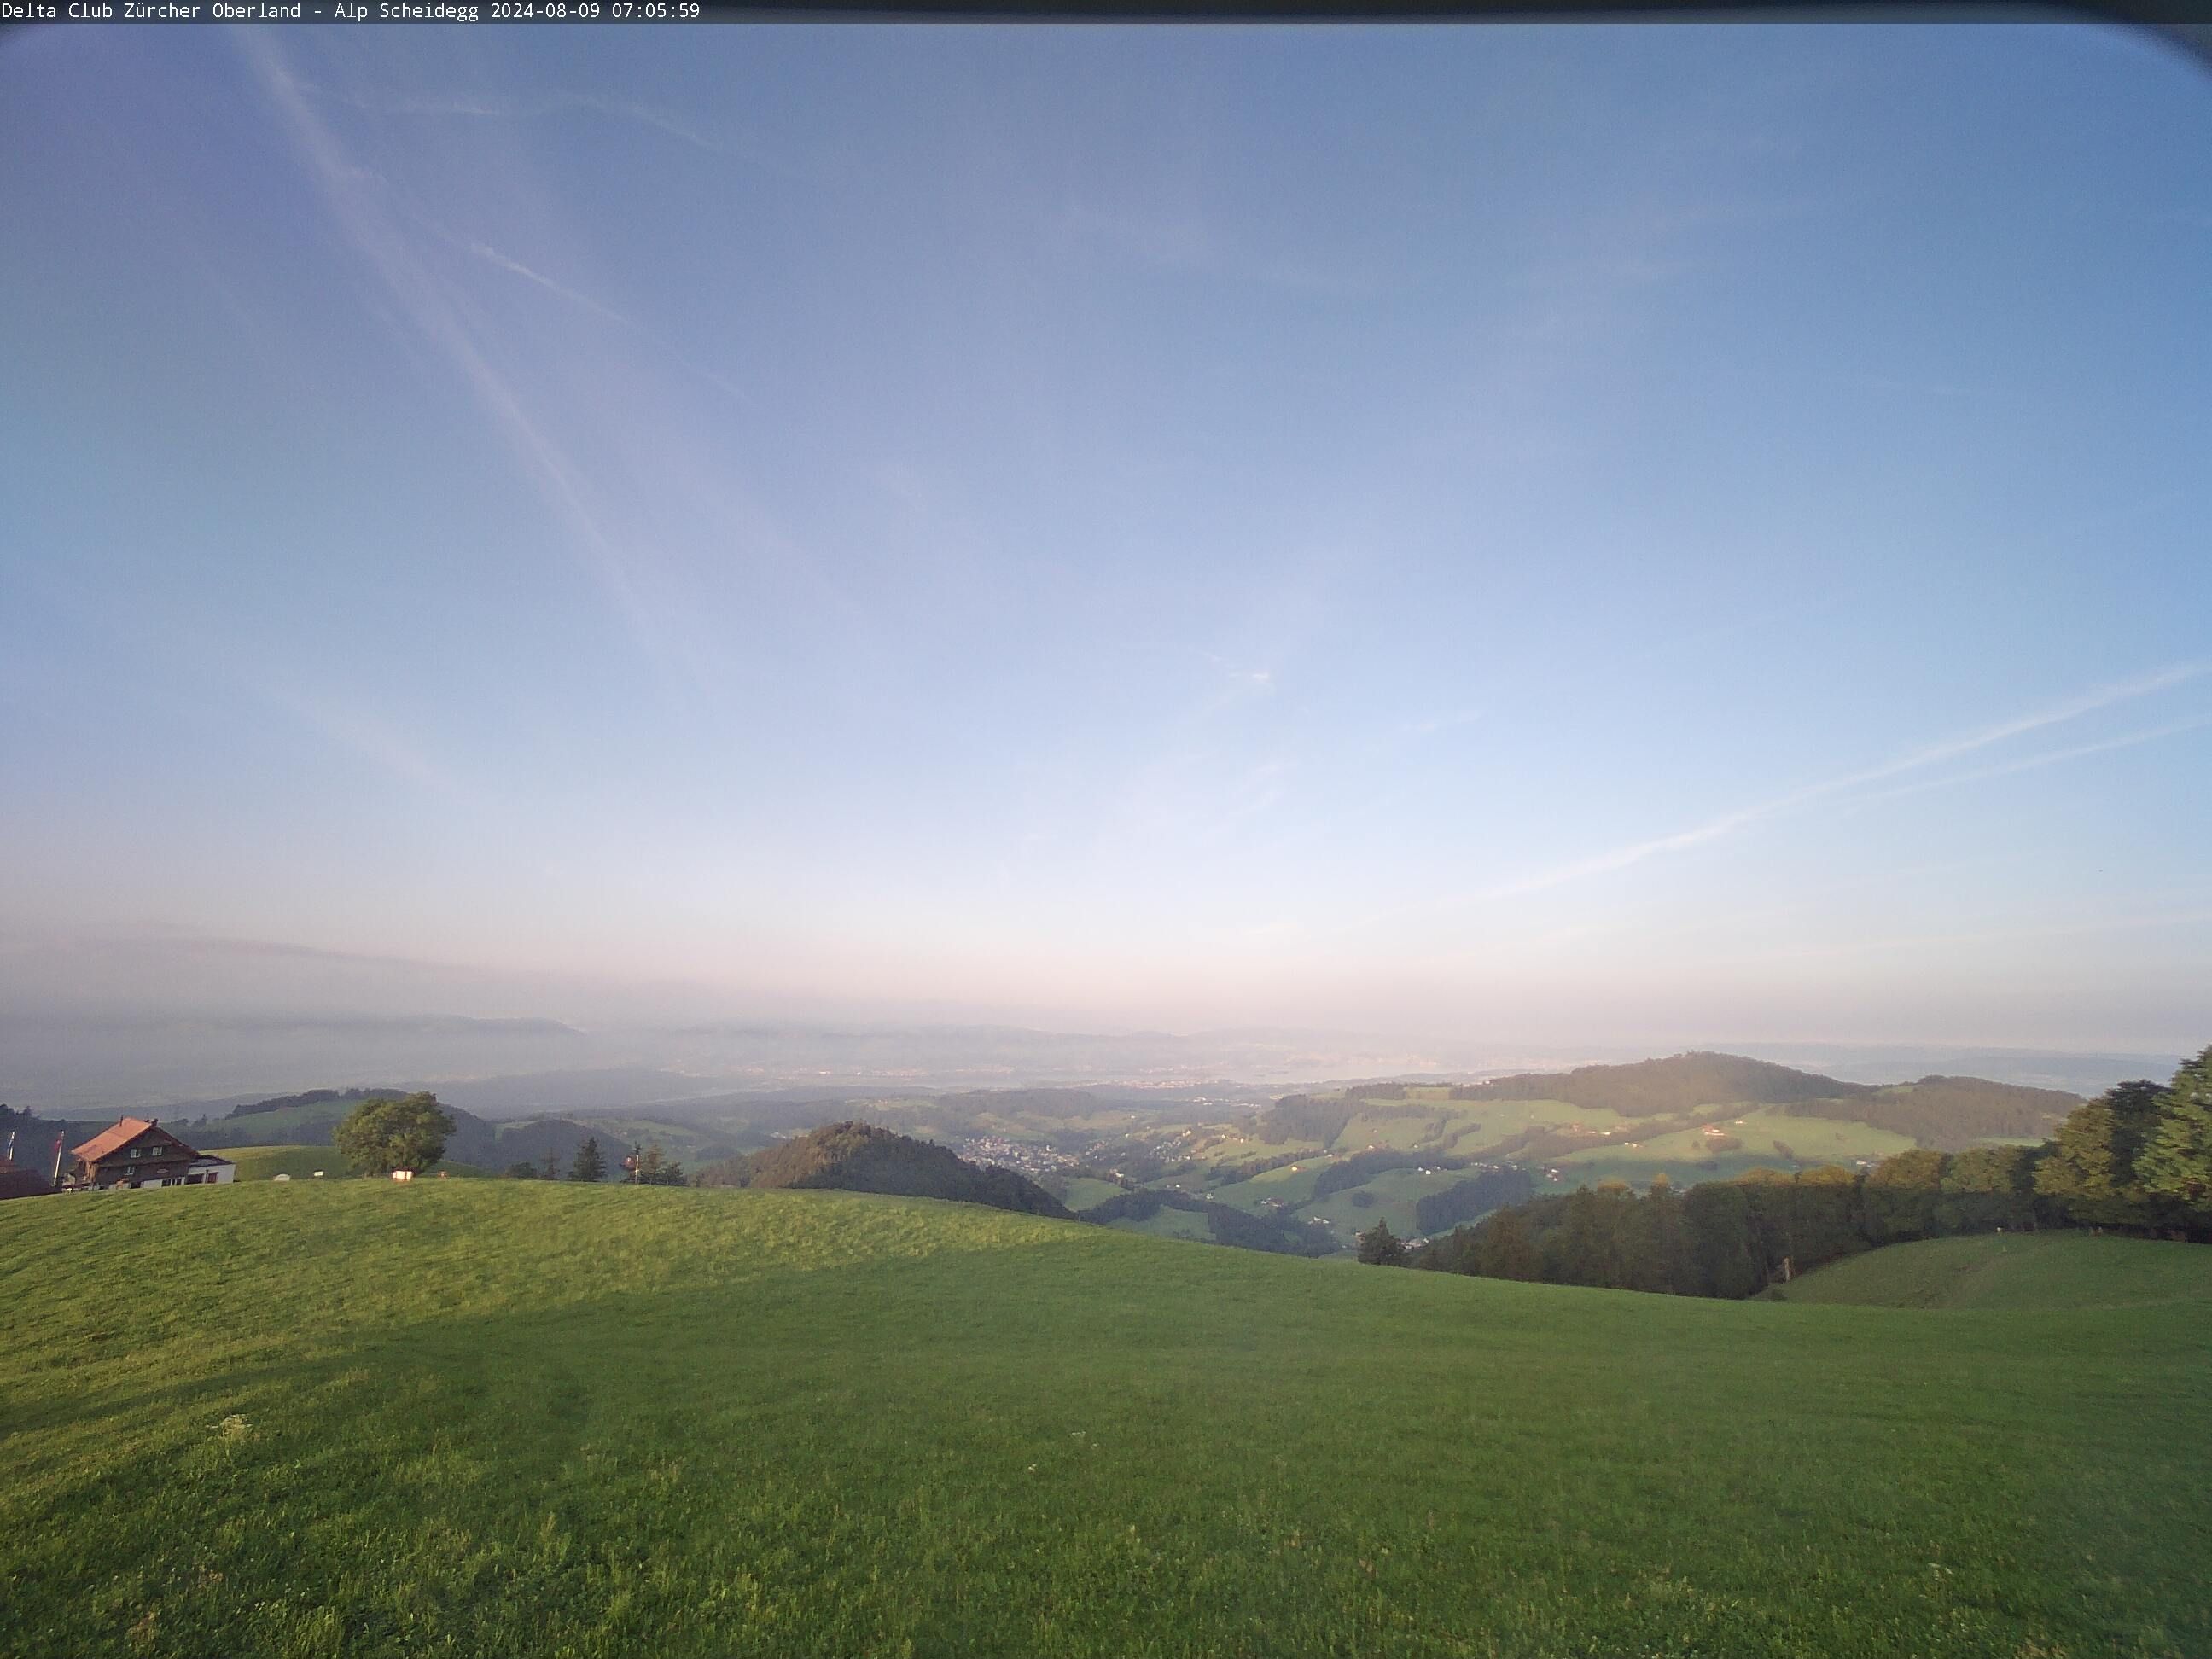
124	1132
107	1141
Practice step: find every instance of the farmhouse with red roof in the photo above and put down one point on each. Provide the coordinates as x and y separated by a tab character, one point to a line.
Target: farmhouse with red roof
139	1152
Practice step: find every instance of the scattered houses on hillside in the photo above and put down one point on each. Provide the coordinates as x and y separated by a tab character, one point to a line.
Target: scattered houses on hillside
138	1151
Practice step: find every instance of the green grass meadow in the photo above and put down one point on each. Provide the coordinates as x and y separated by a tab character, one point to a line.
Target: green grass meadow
1170	1224
288	1124
1290	1186
1432	1123
511	1417
2016	1271
1401	1125
1392	1196
300	1162
1083	1191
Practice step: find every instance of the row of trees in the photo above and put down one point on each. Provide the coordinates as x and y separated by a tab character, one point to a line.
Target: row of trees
410	1131
2138	1159
588	1164
651	1167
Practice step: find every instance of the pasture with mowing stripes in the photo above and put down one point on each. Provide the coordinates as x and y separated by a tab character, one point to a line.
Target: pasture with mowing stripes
510	1417
2018	1272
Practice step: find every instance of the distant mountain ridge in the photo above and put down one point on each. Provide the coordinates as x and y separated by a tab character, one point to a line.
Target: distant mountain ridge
1680	1083
314	1097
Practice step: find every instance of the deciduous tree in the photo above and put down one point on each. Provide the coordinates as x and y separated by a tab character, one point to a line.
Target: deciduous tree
1902	1194
2176	1165
381	1135
1988	1186
2089	1173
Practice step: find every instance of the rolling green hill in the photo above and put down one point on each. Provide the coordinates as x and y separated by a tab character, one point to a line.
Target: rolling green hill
1950	1113
863	1157
1690	1117
342	1100
1680	1083
516	1418
297	1120
2017	1273
1434	1139
1168	1214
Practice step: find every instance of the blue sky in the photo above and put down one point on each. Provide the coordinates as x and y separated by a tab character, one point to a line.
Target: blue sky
1629	532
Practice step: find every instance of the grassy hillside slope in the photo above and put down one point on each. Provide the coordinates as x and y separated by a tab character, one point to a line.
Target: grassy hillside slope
509	1417
1951	1113
2018	1272
1690	1117
300	1162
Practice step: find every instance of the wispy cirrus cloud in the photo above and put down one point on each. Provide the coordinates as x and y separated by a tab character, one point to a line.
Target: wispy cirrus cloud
492	256
491	107
353	196
2085	703
2051	757
367	735
2177	914
1190	243
1435	723
1729	824
1241	678
1194	799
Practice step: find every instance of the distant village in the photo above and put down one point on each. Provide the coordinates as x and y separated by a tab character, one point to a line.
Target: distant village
1026	1158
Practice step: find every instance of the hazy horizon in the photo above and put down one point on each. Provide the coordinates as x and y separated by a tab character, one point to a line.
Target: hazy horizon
1545	538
